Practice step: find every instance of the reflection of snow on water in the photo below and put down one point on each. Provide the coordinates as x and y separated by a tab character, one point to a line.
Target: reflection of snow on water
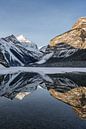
41	70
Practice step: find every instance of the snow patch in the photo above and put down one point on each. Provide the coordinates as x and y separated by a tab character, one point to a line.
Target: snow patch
1	66
41	70
21	38
45	58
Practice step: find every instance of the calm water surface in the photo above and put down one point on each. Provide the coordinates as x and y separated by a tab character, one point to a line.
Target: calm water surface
33	101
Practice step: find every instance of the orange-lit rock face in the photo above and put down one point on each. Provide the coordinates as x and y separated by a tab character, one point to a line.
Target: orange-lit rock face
81	23
76	37
75	97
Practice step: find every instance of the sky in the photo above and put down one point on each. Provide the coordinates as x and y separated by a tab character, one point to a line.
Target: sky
39	20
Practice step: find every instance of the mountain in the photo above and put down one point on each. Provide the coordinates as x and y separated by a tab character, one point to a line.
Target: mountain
67	49
43	49
17	52
23	39
27	43
75	37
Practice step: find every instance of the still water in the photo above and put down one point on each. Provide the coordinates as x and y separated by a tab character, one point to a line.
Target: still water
34	101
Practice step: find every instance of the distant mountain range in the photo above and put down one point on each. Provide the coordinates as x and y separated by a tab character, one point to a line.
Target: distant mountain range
65	50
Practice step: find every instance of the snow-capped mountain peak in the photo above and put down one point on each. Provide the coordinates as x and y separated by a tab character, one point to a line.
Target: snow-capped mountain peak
18	53
21	38
27	44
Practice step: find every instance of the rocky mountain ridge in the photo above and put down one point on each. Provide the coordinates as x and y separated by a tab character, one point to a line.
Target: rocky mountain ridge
65	50
75	37
16	53
68	49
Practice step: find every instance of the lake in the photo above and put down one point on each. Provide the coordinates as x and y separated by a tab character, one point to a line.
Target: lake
30	100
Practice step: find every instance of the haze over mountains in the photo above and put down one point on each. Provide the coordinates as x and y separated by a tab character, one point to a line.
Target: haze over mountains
67	49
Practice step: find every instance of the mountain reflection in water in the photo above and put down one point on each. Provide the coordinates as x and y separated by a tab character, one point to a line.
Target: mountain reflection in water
69	88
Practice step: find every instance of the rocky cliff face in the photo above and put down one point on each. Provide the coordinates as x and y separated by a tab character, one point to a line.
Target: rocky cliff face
75	37
67	49
81	23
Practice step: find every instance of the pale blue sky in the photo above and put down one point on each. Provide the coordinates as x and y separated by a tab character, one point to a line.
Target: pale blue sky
39	20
